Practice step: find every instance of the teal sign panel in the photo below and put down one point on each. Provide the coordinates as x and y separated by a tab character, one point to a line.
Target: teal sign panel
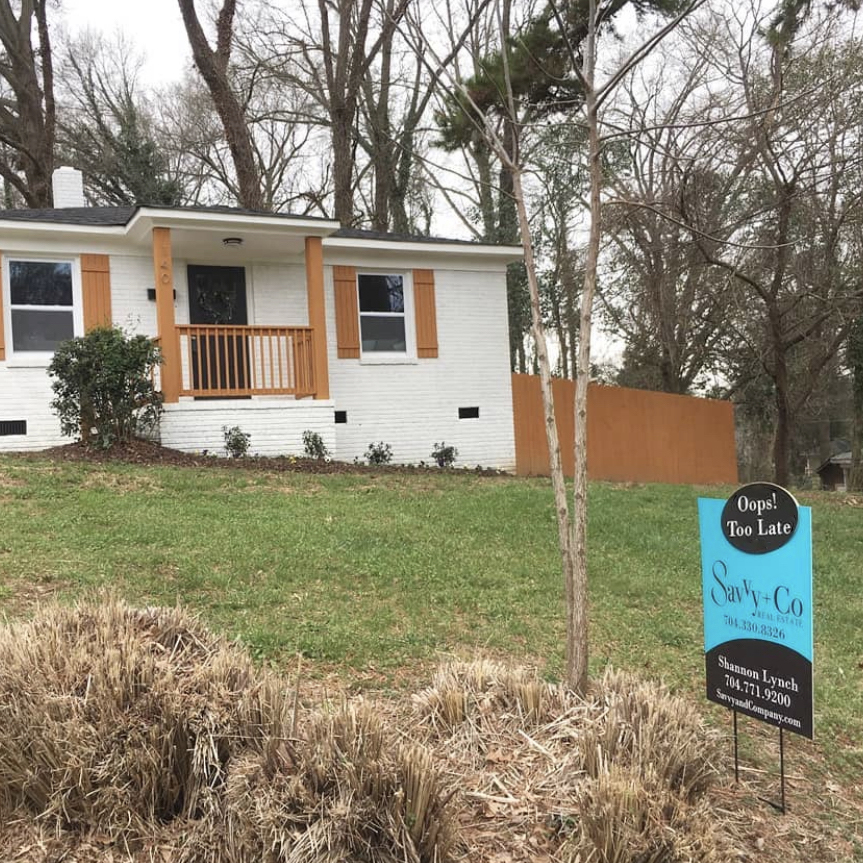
758	643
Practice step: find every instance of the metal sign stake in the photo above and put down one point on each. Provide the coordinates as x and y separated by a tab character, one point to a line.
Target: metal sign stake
782	768
780	806
736	759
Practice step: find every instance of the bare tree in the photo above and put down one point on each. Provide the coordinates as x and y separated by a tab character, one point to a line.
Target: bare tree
328	53
662	298
27	107
788	169
580	45
213	64
107	127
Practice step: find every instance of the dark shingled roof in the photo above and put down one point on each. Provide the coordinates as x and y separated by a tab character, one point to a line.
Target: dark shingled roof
361	234
113	216
101	216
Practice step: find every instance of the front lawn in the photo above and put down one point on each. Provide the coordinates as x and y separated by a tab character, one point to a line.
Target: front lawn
375	577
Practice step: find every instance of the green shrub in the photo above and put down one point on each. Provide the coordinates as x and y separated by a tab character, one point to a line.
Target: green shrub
443	455
379	453
237	442
314	445
103	386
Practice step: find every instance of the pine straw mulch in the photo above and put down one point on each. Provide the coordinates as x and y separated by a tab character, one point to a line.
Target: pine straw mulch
144	452
138	735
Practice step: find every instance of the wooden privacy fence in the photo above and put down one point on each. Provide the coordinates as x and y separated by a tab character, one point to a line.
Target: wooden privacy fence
632	435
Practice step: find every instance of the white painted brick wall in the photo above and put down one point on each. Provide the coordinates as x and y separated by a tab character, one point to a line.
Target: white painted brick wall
277	295
25	391
413	406
276	426
131	277
25	394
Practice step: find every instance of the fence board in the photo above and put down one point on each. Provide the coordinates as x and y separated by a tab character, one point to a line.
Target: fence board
632	435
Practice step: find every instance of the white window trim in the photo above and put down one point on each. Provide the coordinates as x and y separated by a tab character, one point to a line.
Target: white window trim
391	358
39	359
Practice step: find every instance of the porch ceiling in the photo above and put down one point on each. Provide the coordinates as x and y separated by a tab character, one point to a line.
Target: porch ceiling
200	237
207	246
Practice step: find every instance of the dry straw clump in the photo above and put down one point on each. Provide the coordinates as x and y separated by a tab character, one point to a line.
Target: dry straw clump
617	777
648	761
486	691
344	791
141	728
651	732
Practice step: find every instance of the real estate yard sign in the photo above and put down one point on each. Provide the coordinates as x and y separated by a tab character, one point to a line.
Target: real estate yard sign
756	561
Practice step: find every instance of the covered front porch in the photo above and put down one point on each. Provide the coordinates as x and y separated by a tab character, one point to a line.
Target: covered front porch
248	320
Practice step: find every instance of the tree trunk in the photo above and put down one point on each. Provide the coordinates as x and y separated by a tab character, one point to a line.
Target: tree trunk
558	481
213	66
343	165
385	159
577	634
855	357
29	128
782	432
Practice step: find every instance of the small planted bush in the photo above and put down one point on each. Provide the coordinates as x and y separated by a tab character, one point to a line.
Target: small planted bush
237	442
314	446
103	386
379	453
443	455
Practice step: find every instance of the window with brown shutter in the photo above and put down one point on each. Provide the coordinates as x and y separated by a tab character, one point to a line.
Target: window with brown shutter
347	312
425	314
370	313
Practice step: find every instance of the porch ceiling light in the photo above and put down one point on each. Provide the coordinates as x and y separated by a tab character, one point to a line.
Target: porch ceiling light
232	241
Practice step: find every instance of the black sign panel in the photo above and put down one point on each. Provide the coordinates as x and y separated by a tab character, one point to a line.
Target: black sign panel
764	680
759	518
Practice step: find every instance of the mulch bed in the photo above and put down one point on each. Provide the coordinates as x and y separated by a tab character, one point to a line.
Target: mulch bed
150	453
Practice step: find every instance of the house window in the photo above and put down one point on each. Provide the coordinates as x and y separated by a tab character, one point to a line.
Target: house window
382	313
41	305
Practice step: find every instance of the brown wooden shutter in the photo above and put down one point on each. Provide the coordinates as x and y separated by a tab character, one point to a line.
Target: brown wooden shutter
347	312
96	291
425	313
2	319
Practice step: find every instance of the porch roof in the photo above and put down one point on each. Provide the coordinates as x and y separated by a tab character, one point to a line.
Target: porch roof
198	232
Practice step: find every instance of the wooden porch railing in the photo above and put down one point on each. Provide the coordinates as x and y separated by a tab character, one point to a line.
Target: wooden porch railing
246	360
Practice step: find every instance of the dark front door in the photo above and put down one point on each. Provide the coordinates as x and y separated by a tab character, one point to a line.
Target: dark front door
217	296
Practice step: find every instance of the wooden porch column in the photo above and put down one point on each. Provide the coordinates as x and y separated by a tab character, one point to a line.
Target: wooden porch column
317	314
163	267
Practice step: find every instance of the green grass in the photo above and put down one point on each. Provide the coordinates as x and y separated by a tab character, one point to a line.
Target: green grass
358	572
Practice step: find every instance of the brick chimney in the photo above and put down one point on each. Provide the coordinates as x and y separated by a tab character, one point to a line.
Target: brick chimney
68	187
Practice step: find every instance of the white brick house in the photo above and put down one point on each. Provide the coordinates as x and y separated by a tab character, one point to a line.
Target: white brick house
274	323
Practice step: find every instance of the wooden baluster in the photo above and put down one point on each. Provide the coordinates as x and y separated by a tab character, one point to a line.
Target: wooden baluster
233	360
221	358
253	365
199	388
284	375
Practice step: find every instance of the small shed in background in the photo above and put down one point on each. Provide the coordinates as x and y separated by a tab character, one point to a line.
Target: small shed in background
834	472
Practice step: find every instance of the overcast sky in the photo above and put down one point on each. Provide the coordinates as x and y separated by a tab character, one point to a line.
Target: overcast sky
155	26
